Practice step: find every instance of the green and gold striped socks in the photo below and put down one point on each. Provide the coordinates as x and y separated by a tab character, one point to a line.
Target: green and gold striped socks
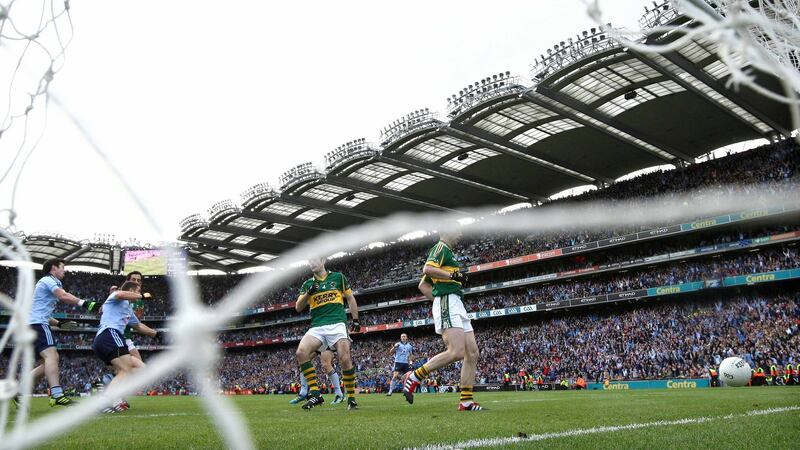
421	373
310	374
466	394
349	379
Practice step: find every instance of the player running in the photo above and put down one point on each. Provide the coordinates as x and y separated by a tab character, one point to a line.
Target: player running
326	359
109	344
46	294
402	359
324	294
450	320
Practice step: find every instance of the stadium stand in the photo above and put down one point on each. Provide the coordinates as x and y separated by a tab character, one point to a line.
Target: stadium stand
672	335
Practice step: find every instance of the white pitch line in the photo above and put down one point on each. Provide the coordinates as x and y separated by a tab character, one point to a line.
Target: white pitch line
493	442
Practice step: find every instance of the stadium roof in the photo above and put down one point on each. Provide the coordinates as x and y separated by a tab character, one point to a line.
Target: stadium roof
592	112
44	246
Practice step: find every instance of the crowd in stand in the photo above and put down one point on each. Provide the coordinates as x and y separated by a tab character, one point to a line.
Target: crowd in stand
771	167
670	339
641	340
701	269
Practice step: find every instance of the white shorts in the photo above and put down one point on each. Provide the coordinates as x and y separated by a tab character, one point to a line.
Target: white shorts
329	335
130	344
449	312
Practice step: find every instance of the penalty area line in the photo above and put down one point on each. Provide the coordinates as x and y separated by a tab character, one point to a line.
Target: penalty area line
493	442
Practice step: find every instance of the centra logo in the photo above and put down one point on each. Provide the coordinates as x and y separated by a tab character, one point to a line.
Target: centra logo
668	290
703	223
760	278
753	214
617	386
681	384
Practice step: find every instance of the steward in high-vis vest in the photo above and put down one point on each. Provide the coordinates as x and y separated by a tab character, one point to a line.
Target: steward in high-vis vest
773	375
791	375
759	379
714	375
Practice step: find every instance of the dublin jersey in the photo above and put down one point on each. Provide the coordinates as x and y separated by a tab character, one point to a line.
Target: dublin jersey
402	352
327	304
116	314
44	299
441	257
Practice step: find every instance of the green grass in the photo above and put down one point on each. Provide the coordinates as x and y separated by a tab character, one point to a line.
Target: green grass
156	265
388	422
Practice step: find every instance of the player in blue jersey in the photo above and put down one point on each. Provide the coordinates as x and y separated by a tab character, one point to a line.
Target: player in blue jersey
109	343
46	294
402	359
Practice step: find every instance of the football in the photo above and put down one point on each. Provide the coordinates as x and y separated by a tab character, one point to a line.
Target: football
734	371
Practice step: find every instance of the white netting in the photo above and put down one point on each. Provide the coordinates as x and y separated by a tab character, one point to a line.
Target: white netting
195	324
763	35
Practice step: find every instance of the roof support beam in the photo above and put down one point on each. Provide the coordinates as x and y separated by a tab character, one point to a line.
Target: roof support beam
479	137
277	218
325	206
690	87
384	192
397	157
455	177
227	244
680	61
72	255
610	122
225	254
252	233
209	263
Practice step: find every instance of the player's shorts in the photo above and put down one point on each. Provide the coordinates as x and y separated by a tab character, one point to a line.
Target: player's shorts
449	312
401	367
130	344
109	345
329	335
44	337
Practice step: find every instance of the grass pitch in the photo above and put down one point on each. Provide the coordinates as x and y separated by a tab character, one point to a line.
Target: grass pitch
388	422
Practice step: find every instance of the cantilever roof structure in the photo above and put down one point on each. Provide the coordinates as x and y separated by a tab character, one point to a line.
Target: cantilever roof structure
591	112
44	246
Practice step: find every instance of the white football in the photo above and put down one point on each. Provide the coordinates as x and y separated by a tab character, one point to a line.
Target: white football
734	371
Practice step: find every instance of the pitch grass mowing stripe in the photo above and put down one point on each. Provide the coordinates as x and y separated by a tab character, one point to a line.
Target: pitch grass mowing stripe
494	442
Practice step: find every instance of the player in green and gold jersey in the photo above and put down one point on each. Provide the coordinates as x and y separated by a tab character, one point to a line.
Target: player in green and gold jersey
450	320
324	294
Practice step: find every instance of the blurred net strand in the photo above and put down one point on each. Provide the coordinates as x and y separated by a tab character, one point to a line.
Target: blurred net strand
23	338
196	324
227	418
766	37
9	31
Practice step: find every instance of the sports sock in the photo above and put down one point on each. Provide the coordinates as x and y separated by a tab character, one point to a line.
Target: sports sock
466	394
310	374
421	373
56	391
349	378
337	387
391	386
303	387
